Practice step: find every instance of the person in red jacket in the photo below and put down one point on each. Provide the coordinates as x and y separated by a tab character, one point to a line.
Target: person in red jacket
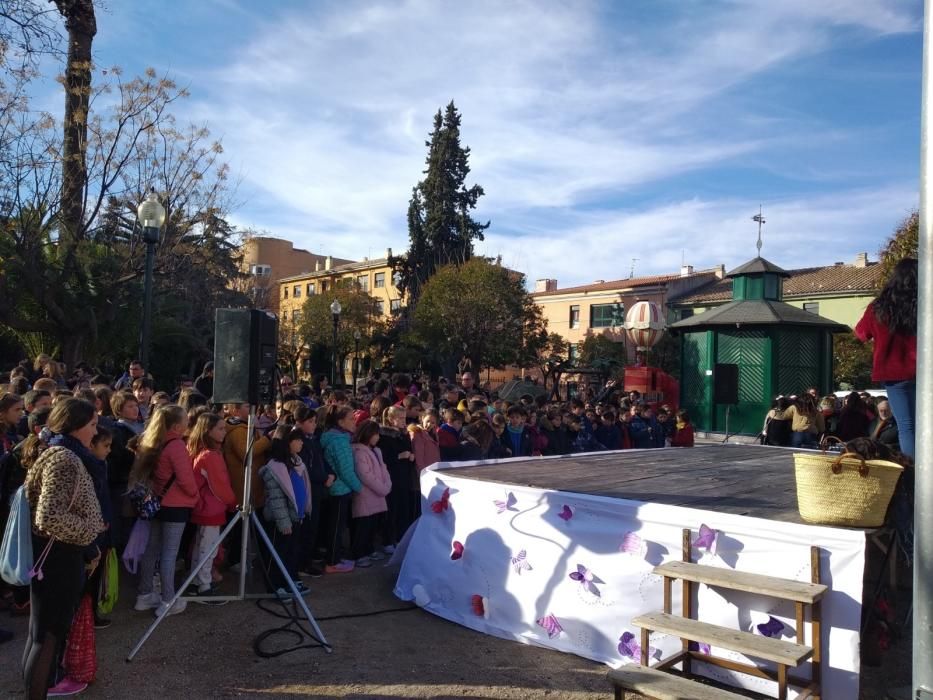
683	436
215	493
163	463
891	321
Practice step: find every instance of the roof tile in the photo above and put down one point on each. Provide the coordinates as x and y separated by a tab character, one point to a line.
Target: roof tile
800	283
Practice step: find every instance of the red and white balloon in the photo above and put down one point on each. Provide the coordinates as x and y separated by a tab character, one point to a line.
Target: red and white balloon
644	324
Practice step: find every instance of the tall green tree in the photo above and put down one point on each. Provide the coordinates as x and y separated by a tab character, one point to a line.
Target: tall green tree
479	309
441	228
314	324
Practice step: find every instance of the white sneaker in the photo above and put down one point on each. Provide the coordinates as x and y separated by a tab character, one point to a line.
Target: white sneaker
164	609
147	601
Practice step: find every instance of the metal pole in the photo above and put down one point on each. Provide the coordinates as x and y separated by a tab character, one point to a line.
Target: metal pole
356	361
333	368
923	500
147	300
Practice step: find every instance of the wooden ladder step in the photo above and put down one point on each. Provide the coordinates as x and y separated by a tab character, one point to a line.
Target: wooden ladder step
665	686
777	650
785	589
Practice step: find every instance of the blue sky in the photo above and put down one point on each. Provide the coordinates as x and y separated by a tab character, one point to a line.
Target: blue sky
601	131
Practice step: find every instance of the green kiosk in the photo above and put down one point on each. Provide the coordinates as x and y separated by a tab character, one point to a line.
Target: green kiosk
737	357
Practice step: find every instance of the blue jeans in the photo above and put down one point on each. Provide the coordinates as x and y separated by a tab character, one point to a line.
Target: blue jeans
803	438
903	399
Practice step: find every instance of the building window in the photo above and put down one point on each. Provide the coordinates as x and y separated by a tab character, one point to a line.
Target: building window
812	307
379	280
323	286
363	282
380	307
606	315
297	291
296	314
575	316
685	313
573	352
395	304
310	289
260	270
285	292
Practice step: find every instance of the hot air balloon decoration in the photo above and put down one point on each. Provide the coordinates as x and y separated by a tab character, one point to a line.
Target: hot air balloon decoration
644	325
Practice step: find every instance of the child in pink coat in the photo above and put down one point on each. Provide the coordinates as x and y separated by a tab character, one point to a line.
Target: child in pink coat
370	501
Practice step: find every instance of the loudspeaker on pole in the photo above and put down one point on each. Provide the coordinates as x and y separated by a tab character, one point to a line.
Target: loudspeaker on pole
245	352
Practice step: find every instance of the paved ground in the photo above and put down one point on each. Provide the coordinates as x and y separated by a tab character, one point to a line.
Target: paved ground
208	652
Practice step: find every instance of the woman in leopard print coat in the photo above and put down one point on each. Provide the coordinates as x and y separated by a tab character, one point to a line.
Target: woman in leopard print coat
65	510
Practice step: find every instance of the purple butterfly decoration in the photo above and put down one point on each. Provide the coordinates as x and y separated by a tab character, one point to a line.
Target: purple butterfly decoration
587	579
519	562
772	628
701	647
551	625
565	514
706	539
507	504
629	646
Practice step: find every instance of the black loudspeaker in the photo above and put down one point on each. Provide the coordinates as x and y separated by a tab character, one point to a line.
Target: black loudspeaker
726	384
244	356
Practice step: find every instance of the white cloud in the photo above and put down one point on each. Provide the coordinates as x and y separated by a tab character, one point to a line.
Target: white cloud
326	111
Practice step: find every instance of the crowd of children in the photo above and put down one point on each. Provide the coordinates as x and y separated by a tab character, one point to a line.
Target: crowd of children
335	476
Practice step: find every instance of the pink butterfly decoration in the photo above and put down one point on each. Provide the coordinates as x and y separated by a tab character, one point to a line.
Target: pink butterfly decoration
566	513
443	503
457	552
706	539
551	625
587	579
632	543
507	504
519	562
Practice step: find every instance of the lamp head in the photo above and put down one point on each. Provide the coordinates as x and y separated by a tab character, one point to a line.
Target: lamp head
150	212
335	308
357	335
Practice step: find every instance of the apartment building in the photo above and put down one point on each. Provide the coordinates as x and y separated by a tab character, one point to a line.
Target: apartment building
373	276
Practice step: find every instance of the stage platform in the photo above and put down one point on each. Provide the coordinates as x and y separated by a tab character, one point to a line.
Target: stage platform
740	479
560	551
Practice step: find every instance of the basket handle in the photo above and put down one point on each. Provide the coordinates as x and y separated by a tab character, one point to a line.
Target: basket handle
837	463
827	441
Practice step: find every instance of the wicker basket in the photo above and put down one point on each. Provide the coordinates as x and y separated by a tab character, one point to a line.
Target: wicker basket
844	489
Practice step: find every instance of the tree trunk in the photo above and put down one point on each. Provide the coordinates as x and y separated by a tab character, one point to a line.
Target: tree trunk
72	344
82	26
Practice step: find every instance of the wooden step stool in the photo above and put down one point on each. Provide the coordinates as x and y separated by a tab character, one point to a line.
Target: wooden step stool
655	682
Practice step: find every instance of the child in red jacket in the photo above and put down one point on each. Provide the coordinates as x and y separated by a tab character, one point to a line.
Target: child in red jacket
683	437
215	494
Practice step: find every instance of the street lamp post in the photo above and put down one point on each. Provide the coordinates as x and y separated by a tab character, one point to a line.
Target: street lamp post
151	216
356	356
335	310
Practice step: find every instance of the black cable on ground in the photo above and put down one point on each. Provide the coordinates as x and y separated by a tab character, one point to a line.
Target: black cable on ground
294	628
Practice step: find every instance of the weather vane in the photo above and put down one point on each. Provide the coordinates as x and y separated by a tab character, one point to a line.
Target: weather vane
760	219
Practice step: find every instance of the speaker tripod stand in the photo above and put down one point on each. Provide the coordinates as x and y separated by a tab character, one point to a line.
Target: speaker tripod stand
245	515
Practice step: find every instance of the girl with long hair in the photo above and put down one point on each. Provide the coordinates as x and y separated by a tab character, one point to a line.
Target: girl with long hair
288	502
163	463
807	422
891	321
339	425
64	508
370	501
215	493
